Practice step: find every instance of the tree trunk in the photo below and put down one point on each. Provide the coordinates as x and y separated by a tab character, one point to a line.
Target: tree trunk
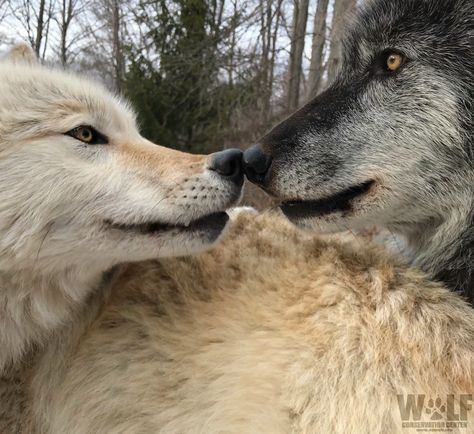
233	36
265	10
39	28
44	41
300	18
117	45
316	68
343	9
67	12
273	50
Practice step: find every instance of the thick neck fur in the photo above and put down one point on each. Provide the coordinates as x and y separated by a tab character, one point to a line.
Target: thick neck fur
445	250
33	306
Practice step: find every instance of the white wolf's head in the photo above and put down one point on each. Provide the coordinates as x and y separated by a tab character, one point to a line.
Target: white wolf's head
80	187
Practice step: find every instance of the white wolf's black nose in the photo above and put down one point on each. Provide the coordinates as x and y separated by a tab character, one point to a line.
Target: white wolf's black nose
256	164
228	164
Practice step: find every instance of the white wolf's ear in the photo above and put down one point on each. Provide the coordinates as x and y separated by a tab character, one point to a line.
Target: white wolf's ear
21	53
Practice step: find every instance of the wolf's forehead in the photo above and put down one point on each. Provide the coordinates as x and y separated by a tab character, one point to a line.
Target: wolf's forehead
408	24
43	94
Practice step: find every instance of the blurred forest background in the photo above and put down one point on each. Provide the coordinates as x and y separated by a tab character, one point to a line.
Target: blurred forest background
202	74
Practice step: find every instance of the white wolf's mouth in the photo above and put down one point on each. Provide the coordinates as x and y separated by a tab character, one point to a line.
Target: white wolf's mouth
342	201
211	222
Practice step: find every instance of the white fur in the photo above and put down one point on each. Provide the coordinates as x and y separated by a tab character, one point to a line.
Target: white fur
57	195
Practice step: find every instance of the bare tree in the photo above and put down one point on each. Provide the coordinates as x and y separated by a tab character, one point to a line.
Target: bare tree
39	27
4	9
66	15
119	63
46	29
233	42
273	50
270	19
343	9
103	25
300	18
34	17
316	69
265	32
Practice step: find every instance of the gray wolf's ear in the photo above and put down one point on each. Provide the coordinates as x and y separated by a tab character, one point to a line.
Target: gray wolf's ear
21	53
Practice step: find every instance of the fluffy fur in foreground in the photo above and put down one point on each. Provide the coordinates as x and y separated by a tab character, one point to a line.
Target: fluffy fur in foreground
273	332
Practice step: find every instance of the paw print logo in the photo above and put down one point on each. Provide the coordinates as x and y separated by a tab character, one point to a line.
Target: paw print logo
435	408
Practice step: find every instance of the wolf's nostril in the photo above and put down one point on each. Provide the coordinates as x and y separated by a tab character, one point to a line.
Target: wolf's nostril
228	163
256	164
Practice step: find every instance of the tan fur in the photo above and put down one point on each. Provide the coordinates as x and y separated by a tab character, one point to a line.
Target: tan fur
273	331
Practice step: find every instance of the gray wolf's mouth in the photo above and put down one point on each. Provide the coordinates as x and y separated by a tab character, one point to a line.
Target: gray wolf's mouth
215	222
341	201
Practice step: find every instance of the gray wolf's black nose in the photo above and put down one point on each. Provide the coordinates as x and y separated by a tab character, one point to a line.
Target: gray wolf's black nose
228	164
256	164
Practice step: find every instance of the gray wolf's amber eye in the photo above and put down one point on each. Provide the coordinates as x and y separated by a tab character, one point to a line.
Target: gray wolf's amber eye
395	61
88	134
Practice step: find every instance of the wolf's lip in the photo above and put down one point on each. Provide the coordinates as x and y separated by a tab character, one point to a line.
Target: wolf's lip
215	221
341	201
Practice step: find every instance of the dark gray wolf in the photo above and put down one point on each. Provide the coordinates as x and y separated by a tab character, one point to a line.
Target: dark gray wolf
391	141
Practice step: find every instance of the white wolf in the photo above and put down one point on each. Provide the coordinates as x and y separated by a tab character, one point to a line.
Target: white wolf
82	191
272	332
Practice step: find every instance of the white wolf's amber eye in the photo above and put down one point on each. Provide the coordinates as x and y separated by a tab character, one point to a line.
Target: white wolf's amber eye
84	134
88	135
394	61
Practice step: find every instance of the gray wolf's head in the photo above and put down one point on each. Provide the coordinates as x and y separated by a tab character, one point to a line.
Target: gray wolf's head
391	141
80	187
